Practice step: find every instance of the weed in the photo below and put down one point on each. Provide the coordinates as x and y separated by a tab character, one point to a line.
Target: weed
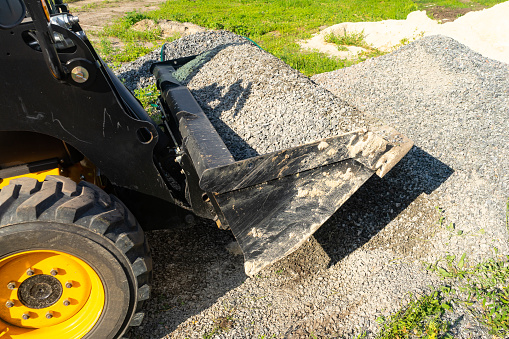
451	227
221	324
406	41
421	317
347	38
89	6
484	289
105	48
212	333
148	98
488	283
131	18
131	51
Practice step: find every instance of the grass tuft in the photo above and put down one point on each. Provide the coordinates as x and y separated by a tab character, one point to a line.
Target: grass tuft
148	97
421	317
347	39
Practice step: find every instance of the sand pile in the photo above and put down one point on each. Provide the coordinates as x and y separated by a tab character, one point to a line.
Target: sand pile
486	32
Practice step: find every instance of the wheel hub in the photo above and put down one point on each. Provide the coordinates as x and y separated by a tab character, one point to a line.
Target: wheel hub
40	291
46	294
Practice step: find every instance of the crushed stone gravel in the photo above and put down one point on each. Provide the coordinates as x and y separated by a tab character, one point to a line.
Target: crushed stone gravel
137	74
364	261
262	105
454	104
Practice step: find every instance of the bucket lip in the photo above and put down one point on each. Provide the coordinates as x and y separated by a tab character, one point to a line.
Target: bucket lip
379	150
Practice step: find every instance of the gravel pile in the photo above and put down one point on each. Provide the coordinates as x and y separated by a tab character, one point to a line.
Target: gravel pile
454	104
137	74
364	261
254	100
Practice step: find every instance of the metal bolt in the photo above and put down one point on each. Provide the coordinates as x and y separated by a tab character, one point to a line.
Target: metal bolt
68	284
49	315
30	272
9	304
53	272
79	74
67	302
25	316
11	285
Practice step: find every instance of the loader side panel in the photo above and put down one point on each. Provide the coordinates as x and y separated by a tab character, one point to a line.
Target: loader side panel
92	117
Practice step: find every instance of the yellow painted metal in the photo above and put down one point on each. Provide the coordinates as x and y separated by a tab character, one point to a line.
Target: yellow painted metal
46	11
36	175
86	297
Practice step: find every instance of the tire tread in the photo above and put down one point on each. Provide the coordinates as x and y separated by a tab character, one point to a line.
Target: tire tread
86	205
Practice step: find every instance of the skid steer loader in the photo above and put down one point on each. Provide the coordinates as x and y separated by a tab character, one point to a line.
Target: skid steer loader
76	148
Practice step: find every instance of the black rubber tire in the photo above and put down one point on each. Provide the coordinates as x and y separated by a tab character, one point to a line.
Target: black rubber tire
84	221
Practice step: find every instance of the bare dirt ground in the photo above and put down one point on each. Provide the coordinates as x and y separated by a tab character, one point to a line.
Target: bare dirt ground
95	14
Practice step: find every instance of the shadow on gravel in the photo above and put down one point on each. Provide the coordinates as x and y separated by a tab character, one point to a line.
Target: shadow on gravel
192	269
379	201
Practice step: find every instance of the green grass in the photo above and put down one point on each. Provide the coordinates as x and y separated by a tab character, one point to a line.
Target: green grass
148	98
130	51
422	317
482	290
121	29
277	25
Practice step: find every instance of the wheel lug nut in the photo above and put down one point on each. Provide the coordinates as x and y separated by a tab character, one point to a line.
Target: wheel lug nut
53	272
67	302
30	272
25	316
11	285
9	304
68	284
49	315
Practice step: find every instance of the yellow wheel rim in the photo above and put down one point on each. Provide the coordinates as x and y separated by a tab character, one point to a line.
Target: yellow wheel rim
48	294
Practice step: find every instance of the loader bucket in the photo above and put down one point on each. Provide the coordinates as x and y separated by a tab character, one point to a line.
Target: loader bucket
273	202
